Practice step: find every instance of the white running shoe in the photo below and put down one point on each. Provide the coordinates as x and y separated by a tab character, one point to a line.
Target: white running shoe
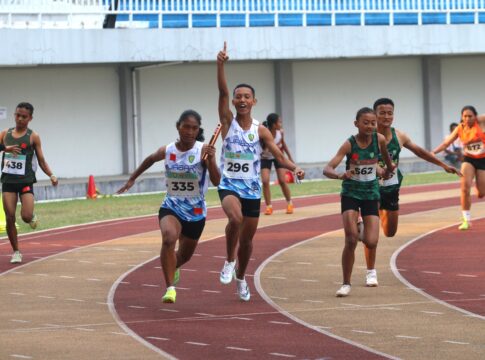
16	257
343	291
34	222
227	272
371	278
243	289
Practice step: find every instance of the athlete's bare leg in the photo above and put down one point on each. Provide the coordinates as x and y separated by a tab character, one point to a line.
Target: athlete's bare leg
232	208
282	181
248	229
389	221
468	172
170	228
185	250
265	179
349	218
10	207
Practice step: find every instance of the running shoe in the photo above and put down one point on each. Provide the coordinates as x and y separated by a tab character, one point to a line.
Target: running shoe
465	225
34	222
243	289
227	272
268	211
16	257
176	277
289	209
371	278
170	296
360	227
343	291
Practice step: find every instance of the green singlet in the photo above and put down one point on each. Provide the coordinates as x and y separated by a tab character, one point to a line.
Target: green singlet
394	149
17	169
363	163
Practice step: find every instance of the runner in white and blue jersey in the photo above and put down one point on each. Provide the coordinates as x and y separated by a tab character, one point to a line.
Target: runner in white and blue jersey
240	186
183	212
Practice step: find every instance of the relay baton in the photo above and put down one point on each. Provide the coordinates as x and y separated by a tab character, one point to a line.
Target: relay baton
214	137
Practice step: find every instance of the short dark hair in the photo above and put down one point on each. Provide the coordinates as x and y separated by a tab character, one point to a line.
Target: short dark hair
27	106
382	101
246	86
453	125
364	110
471	108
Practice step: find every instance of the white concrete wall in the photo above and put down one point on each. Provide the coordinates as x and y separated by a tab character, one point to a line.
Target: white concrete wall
262	43
76	115
165	92
462	81
328	94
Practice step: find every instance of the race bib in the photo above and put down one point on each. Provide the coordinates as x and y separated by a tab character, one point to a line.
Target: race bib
14	164
363	172
474	148
239	165
182	184
393	180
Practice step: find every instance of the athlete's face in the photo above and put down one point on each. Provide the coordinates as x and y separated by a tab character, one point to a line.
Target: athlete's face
243	100
188	130
278	124
468	117
22	117
385	115
367	124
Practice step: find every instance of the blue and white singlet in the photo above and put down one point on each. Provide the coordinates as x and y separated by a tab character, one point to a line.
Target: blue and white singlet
241	161
187	182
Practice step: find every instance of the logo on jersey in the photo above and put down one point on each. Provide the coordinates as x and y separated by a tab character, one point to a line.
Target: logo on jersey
173	157
371	154
251	137
191	158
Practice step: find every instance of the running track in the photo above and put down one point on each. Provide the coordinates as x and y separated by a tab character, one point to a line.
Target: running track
211	311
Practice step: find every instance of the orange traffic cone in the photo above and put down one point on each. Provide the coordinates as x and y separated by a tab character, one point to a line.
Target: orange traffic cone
92	193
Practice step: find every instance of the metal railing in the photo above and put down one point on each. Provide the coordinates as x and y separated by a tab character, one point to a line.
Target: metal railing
220	13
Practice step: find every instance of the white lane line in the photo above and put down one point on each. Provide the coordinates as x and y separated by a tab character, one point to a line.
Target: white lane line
241	318
60	259
20	321
150	285
125	282
196	343
17	272
169	310
432	312
46	297
66	277
432	272
58	245
279	322
214	272
279	298
118	333
452	292
237	348
277	277
157	338
309	280
456	342
283	355
219	257
41	274
34	243
76	300
189	269
101	303
145	251
109	263
85	261
84	329
314	301
93	279
17	293
363	332
159	267
204	314
408	337
467	275
304	263
18	356
212	291
136	307
119	249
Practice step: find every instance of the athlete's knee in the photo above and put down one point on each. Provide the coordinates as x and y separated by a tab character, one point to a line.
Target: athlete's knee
10	218
351	241
26	218
169	237
235	219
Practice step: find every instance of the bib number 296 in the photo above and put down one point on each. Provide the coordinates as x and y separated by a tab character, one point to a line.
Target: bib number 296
237	167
